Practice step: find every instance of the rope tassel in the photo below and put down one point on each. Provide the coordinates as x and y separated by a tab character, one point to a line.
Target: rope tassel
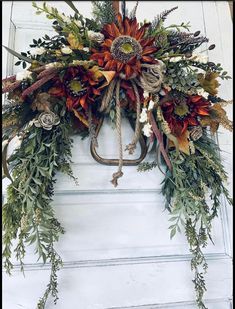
131	147
119	172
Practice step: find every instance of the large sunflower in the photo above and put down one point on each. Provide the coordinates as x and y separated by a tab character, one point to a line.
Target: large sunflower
79	85
125	48
182	112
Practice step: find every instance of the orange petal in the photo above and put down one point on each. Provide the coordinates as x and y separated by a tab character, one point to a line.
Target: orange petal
107	43
83	102
108	29
192	121
195	98
96	91
140	33
134	27
148	59
69	104
132	61
128	71
120	65
56	91
115	29
107	56
108	65
127	27
149	50
202	112
120	24
185	126
146	42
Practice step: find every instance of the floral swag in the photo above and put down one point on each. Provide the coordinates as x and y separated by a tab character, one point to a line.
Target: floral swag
112	67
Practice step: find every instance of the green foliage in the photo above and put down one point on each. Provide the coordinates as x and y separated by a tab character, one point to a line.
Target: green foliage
158	21
196	178
146	166
27	212
103	12
210	66
181	77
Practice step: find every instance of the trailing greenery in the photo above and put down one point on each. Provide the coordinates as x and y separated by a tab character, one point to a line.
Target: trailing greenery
194	180
27	214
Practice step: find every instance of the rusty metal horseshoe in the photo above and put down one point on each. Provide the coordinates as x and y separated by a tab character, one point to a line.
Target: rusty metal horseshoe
115	162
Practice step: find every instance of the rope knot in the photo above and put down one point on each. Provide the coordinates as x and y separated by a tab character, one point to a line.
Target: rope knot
116	175
131	148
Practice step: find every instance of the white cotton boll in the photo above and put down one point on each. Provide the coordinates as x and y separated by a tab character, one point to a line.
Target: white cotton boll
66	50
175	59
146	94
78	23
147	130
144	115
37	51
202	93
151	105
23	75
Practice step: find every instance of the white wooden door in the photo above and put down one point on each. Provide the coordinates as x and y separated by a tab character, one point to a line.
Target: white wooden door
117	251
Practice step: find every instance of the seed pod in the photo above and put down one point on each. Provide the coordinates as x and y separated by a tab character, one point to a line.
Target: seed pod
211	64
196	133
211	47
188	54
197	33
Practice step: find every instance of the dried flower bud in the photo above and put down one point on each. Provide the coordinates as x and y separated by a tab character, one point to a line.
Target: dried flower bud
211	64
147	129
24	222
47	120
197	33
38	216
211	47
188	54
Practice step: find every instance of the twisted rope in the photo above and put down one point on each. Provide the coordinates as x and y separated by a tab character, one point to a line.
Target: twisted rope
151	79
131	147
119	173
107	96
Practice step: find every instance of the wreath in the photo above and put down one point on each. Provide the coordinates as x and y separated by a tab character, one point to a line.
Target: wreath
112	67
